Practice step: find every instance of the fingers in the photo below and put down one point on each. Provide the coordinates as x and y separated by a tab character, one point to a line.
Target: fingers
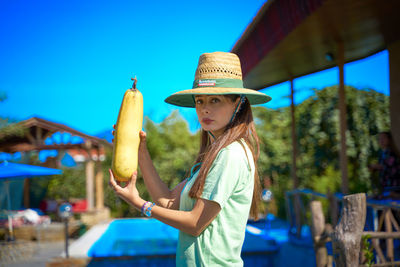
112	179
142	133
131	182
142	136
133	178
113	133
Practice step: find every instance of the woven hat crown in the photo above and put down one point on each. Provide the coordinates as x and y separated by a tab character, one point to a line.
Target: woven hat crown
217	73
218	65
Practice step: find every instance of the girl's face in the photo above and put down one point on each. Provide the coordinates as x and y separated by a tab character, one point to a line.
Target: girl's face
214	112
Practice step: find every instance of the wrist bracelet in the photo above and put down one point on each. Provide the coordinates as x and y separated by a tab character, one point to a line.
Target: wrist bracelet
147	209
144	206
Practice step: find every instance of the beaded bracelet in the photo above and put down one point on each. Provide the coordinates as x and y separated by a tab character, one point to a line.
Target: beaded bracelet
146	208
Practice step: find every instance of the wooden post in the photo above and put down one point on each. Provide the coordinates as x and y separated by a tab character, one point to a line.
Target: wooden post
333	208
99	186
294	138
289	210
90	184
394	81
26	196
389	241
394	222
26	193
342	121
317	230
379	252
89	177
296	196
297	214
346	238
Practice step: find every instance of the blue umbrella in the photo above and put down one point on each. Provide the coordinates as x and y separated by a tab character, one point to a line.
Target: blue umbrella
10	171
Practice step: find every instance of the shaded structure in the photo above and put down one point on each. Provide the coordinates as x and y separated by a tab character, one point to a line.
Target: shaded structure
35	134
289	39
10	171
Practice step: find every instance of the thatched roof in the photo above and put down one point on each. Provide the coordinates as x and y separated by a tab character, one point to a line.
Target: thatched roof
30	134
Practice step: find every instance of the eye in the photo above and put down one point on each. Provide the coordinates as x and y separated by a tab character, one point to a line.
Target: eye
215	100
198	101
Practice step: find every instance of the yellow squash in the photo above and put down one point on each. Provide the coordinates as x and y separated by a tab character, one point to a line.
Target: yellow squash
126	137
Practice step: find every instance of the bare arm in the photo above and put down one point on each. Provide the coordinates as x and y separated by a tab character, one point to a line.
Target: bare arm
191	222
158	190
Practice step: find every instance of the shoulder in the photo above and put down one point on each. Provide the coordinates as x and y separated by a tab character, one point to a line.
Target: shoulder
236	146
237	151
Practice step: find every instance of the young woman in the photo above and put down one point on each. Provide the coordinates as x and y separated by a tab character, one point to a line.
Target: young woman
211	207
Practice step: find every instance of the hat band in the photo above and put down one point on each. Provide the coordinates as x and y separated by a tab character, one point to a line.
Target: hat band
226	83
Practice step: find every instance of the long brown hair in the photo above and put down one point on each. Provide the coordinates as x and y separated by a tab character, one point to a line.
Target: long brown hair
241	127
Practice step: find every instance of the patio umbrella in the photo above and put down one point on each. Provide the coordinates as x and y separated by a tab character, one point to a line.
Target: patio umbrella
11	171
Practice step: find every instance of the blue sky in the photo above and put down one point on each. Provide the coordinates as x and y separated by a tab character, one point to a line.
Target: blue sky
71	61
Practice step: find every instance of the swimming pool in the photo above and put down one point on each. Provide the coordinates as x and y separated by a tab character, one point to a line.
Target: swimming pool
135	237
148	242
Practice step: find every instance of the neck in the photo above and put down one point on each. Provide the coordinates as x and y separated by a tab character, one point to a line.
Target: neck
216	134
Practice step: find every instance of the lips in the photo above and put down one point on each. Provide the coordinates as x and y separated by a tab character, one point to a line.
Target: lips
207	121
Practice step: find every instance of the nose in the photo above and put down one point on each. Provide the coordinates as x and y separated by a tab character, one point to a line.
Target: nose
205	108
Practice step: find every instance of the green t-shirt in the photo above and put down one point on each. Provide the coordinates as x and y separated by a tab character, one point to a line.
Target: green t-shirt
230	183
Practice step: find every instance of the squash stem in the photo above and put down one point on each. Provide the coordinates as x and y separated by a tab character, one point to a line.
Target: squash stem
134	84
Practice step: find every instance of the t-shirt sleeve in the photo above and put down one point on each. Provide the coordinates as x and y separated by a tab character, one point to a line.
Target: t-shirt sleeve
224	176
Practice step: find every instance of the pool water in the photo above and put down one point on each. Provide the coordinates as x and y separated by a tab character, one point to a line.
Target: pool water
149	242
135	237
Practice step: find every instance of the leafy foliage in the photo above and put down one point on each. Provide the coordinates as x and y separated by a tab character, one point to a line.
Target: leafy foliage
70	184
318	139
172	147
8	126
367	250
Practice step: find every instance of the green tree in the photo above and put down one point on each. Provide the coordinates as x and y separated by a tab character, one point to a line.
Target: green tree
319	135
8	126
172	147
317	130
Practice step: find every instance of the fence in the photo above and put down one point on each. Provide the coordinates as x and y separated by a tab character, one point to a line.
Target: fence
349	235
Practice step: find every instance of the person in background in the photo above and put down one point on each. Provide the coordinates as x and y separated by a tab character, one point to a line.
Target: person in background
211	207
388	166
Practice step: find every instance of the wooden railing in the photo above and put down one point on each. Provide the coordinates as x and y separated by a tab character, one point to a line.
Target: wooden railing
346	235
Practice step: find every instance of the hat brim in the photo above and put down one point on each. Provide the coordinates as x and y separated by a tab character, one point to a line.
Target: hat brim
185	98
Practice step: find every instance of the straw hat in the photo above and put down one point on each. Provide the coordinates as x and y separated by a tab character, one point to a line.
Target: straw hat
217	73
